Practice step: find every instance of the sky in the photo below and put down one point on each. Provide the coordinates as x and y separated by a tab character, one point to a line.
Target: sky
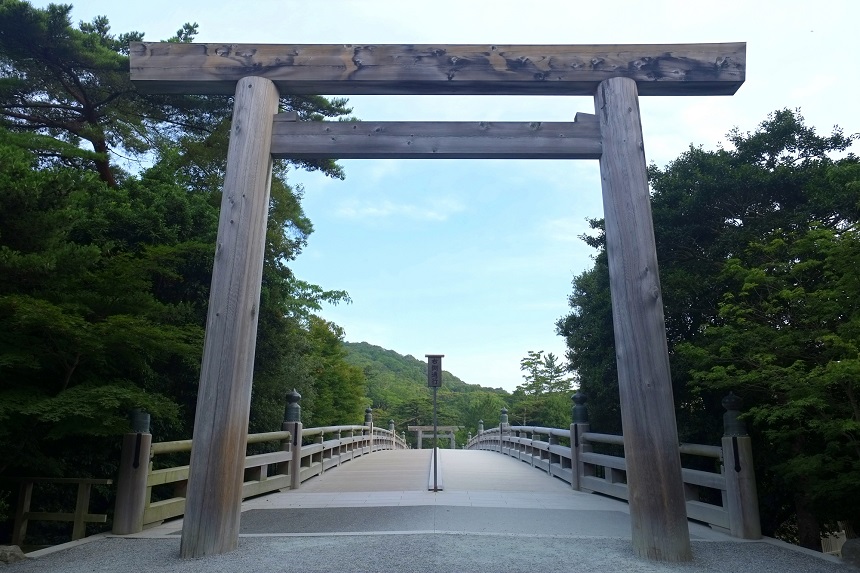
474	259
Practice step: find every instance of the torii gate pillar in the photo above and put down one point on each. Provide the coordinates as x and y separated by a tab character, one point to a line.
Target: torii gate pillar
658	510
214	499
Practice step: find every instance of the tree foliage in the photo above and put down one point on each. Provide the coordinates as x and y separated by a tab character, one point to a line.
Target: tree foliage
543	399
72	84
104	274
397	389
757	250
788	336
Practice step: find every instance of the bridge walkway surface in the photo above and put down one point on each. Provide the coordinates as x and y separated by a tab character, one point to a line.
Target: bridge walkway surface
375	514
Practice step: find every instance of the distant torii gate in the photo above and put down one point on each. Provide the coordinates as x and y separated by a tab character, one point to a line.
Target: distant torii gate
614	74
420	430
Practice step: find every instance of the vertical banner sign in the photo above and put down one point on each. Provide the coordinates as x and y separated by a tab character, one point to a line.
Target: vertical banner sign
434	380
434	370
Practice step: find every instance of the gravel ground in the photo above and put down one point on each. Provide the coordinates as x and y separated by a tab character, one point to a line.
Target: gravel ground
427	553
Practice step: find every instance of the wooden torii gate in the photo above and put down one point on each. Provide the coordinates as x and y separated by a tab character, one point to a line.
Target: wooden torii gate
614	74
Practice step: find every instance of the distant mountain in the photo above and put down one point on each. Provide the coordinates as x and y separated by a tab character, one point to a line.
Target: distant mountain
397	389
407	368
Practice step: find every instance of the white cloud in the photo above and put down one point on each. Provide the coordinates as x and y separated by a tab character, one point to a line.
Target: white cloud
437	210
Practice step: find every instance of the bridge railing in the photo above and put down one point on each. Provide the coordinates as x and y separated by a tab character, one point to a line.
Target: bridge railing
79	517
724	498
299	454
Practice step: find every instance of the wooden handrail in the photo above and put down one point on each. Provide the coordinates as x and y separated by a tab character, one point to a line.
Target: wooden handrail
606	474
79	518
350	441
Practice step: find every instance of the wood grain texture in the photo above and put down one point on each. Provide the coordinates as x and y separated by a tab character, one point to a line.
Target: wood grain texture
658	69
25	497
435	140
131	492
741	492
656	491
221	424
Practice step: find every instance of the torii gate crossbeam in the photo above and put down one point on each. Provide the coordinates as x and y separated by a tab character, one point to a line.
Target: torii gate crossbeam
614	74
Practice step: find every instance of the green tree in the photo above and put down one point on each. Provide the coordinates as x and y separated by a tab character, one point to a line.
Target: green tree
397	389
339	387
85	336
72	84
712	210
591	340
788	337
556	376
544	398
534	375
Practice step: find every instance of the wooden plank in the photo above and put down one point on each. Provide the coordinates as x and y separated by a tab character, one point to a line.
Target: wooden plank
563	451
25	497
657	511
214	499
170	447
710	514
167	475
603	460
595	438
79	528
659	69
272	483
66	516
165	509
268	437
307	473
63	481
435	140
266	459
701	450
599	485
704	479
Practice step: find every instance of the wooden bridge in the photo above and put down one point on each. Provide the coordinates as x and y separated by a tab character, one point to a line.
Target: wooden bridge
517	498
375	513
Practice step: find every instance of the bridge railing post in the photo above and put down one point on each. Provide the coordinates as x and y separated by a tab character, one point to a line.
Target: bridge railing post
131	494
504	428
368	422
741	494
579	426
293	424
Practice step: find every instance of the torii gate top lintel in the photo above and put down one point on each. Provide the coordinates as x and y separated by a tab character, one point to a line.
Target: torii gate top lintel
389	69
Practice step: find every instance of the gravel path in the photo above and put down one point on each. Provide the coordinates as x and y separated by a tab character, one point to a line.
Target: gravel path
429	553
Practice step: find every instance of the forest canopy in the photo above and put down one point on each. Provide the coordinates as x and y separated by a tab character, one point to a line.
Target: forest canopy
758	249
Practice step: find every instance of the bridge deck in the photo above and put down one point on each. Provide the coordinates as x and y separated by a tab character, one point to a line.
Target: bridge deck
374	513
